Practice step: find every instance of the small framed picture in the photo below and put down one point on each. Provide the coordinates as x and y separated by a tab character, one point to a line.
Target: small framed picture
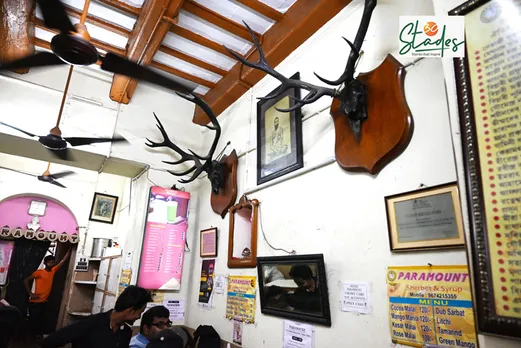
103	208
279	136
209	242
428	218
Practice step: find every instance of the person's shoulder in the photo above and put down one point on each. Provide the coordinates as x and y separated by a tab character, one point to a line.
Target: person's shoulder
37	273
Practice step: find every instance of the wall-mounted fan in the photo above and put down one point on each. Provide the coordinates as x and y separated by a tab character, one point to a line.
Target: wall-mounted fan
46	176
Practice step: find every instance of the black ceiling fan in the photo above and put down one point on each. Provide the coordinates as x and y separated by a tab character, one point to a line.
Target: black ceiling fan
46	176
72	46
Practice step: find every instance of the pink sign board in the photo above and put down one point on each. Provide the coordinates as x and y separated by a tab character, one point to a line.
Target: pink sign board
6	251
161	266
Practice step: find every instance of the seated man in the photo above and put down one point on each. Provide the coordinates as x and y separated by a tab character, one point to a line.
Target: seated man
110	329
152	322
306	297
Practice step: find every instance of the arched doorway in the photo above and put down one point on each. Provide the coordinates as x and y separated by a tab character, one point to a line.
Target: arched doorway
19	215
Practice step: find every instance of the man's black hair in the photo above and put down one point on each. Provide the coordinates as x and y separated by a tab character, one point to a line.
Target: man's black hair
132	297
155	312
49	258
301	271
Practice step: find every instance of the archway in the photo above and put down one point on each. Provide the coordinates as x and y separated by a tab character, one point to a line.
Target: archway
55	223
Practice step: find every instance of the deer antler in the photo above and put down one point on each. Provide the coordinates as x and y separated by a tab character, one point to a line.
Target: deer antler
315	92
201	163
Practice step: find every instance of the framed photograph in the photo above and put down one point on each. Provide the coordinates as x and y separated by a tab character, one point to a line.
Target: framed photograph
488	81
208	240
294	287
103	208
428	218
279	136
37	208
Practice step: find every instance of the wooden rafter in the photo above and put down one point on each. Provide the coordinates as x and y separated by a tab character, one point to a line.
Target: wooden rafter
199	39
123	7
219	20
301	21
263	9
192	60
153	23
99	22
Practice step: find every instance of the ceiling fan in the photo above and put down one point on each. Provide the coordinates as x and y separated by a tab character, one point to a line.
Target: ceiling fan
46	176
72	46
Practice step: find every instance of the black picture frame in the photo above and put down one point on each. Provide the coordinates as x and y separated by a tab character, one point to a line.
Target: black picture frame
93	216
324	318
293	159
481	256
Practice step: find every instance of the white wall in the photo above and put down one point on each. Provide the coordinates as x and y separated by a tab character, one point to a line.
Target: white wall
348	222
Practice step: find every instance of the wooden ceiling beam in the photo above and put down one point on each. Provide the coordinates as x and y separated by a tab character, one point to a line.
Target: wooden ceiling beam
192	60
99	22
199	39
301	21
182	74
153	23
16	31
98	44
262	8
123	7
219	20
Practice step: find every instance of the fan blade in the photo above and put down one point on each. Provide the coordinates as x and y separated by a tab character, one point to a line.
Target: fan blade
60	175
77	141
54	16
61	154
54	182
119	65
38	59
20	130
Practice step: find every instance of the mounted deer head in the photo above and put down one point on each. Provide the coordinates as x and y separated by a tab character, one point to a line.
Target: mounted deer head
375	99
352	95
222	170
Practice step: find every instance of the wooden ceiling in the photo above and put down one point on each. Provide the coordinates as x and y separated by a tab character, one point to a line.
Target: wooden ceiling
182	38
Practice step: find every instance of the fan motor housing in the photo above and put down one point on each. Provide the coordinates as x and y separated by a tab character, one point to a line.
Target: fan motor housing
74	50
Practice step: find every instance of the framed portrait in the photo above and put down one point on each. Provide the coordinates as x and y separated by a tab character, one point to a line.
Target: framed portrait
429	218
279	136
294	287
208	241
103	208
488	81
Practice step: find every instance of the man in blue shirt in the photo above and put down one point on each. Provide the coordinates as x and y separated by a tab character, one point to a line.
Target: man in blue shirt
152	322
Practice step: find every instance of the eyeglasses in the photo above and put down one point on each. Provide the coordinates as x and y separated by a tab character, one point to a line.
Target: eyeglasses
163	324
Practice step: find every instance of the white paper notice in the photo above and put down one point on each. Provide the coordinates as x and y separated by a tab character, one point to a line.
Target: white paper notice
297	335
176	309
128	261
220	282
356	297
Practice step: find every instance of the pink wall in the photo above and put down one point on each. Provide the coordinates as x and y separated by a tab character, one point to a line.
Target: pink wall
58	218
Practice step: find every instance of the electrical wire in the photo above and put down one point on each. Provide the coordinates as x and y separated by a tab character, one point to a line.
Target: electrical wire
292	252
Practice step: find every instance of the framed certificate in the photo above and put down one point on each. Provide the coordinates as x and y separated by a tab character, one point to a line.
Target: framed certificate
488	81
425	219
209	242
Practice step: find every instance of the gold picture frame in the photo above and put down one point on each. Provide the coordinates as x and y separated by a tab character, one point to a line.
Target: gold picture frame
428	218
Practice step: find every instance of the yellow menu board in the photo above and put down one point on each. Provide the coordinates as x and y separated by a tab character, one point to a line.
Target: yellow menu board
431	305
493	39
240	303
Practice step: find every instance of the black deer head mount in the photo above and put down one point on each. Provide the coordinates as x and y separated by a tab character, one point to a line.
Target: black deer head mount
215	168
352	94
